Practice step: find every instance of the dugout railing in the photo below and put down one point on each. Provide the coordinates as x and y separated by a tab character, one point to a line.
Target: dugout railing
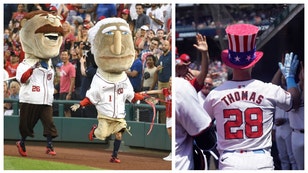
76	129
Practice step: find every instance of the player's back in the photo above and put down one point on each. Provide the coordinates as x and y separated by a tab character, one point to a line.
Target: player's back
244	113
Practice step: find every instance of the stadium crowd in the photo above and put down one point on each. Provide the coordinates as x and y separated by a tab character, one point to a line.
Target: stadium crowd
150	25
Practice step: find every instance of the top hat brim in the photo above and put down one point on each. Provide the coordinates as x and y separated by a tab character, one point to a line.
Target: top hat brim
225	59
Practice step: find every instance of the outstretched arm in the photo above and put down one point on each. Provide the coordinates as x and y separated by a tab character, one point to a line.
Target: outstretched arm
288	69
203	48
85	102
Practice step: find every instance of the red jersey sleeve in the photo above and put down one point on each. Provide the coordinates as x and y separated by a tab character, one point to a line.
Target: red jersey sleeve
195	84
26	75
85	102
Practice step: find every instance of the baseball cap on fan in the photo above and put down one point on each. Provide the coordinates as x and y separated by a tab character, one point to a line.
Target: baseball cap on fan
125	11
242	52
78	19
144	27
53	8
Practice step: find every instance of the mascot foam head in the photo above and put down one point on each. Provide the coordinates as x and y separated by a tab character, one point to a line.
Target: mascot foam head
112	45
41	35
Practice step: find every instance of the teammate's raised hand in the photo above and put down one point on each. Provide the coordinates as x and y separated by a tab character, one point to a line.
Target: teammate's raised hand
201	43
288	69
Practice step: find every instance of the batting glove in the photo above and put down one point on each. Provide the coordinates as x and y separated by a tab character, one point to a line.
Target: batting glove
289	69
290	65
75	107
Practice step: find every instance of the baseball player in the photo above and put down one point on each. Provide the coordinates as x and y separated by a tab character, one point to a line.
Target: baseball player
282	130
296	117
192	123
243	107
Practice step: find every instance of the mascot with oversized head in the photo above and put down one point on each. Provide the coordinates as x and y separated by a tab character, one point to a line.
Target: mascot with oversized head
113	49
41	36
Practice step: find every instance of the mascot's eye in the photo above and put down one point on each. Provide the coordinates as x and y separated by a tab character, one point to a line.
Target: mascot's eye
109	33
125	33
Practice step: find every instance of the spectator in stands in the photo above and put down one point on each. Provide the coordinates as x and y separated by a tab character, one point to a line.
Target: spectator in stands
167	13
8	11
132	9
148	82
7	46
84	9
14	89
125	15
75	60
140	36
166	92
62	11
135	73
163	73
142	18
67	80
160	34
82	35
88	69
107	10
156	17
11	66
72	11
34	7
145	43
153	49
77	22
18	15
68	37
6	95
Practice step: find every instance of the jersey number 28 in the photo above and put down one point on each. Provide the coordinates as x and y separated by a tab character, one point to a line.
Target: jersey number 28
252	119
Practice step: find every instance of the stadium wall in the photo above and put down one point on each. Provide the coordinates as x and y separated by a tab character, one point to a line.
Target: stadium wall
76	129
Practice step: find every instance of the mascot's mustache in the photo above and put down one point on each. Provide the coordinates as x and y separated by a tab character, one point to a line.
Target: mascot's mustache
50	29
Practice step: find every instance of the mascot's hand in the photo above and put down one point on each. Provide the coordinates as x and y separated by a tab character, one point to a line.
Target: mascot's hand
75	107
288	69
137	96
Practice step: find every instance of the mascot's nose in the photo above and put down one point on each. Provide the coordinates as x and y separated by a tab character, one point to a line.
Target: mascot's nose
116	48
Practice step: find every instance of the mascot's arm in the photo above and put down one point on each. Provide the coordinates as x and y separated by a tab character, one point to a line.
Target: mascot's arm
85	102
137	97
26	75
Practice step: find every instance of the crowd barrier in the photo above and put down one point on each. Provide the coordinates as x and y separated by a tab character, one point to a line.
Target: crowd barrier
76	129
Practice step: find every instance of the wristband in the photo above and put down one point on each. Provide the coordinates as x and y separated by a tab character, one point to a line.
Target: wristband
291	82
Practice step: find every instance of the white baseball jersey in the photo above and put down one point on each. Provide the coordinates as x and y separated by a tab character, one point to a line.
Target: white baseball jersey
297	120
39	88
191	120
296	117
244	113
109	97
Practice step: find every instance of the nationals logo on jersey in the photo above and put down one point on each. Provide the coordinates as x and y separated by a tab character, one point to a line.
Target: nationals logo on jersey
49	76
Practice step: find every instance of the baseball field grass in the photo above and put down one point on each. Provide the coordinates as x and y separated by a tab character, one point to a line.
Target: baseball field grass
19	163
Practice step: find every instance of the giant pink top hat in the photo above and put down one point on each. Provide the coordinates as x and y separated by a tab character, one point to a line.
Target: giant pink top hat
242	52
